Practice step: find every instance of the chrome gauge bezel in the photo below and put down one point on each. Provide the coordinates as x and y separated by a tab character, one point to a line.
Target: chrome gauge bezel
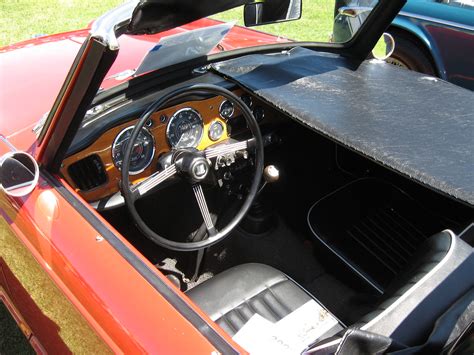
198	141
114	145
210	130
220	109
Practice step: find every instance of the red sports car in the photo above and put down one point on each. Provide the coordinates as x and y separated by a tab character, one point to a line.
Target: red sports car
192	186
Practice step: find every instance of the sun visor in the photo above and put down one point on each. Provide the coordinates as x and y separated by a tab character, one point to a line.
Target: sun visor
154	16
417	125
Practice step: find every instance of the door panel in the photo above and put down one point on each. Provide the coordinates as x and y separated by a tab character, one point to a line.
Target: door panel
54	321
79	290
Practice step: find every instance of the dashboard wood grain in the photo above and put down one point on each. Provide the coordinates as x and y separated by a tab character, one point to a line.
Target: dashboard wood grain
209	111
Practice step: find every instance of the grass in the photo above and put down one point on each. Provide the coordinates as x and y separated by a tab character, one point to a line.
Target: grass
22	19
315	24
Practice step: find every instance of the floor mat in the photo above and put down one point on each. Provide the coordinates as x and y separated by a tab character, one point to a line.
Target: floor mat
347	304
281	248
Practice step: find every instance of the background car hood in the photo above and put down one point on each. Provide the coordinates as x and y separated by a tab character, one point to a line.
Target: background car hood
33	71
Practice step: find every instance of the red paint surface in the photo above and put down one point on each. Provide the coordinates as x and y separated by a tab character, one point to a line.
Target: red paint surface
122	307
32	72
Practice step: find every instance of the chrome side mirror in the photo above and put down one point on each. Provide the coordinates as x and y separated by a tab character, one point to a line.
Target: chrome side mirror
19	174
271	11
354	11
384	47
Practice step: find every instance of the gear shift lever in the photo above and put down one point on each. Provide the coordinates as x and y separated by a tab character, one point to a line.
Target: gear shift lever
270	174
260	218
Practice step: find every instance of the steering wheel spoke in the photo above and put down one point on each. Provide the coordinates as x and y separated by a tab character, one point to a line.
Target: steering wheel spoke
206	215
194	166
152	181
228	148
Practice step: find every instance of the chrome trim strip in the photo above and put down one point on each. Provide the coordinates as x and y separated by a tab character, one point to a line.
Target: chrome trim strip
437	20
7	142
417	285
105	27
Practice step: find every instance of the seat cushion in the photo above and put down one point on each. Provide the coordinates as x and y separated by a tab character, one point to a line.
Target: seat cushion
233	296
430	254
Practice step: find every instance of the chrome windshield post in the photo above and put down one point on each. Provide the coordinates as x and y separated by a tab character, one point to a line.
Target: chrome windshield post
110	26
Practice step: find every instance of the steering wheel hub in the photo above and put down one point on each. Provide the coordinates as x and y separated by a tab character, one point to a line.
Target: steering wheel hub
193	165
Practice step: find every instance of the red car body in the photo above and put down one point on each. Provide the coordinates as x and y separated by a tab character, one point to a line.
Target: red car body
72	290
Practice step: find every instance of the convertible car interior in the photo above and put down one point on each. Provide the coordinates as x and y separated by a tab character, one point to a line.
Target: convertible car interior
342	215
243	190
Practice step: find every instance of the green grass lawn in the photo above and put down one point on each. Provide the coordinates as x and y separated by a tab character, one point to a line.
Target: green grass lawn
22	19
315	24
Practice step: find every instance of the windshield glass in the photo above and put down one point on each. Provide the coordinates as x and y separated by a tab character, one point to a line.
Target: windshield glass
320	21
325	21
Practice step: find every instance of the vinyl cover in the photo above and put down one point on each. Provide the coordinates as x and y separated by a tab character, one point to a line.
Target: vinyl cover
417	125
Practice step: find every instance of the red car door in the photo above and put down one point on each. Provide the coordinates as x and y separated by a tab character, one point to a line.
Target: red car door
71	290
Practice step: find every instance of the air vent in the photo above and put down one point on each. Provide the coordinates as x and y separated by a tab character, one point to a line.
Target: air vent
88	173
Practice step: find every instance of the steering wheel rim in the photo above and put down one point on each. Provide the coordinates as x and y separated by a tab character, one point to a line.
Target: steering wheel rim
130	197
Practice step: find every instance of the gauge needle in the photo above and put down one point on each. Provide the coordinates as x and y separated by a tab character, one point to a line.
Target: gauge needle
179	141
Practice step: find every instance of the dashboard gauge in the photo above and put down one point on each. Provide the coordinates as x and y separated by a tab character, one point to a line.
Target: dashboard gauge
247	99
226	109
216	130
142	153
185	129
259	113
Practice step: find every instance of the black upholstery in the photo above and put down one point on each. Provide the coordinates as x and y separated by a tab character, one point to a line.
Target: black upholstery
235	295
232	297
430	253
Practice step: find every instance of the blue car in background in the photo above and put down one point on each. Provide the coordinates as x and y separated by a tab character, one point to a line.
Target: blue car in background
434	37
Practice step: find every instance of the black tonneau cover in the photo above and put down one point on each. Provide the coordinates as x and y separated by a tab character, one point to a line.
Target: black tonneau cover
414	124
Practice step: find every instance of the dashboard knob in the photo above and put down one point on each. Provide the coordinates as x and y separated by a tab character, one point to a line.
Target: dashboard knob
271	174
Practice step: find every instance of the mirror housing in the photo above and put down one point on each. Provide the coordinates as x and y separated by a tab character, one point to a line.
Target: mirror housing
272	11
384	47
19	174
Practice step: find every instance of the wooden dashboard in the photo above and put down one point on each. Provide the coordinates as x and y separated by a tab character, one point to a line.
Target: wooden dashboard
102	147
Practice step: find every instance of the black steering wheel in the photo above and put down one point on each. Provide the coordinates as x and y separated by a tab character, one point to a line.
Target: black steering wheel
195	167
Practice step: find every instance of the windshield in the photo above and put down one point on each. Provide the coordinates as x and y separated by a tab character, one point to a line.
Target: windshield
320	20
325	21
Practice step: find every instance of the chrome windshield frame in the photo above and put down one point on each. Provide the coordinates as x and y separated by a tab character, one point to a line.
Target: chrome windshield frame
109	26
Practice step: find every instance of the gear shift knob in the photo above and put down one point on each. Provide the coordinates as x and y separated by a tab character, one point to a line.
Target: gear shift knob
271	174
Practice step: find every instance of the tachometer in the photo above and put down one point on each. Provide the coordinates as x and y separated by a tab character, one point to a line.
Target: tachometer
142	153
185	128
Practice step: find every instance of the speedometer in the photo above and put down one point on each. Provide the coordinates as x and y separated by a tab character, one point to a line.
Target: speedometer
185	129
142	152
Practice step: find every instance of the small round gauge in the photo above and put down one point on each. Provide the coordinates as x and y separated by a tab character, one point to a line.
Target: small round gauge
226	109
185	129
216	130
247	99
259	113
142	153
